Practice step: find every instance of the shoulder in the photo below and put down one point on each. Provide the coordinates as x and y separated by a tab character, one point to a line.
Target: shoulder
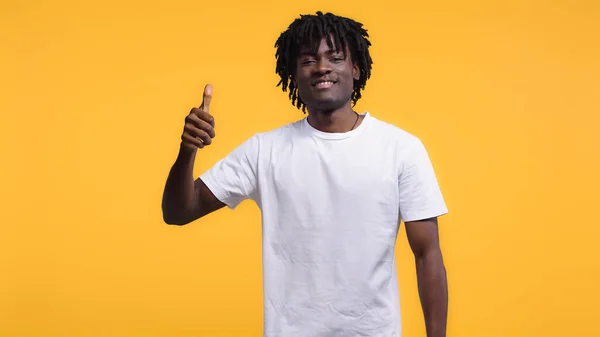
277	134
402	139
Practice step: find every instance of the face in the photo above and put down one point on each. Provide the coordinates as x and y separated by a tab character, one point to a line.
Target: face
325	79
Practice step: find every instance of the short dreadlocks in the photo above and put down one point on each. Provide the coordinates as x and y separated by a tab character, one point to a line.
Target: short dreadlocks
308	30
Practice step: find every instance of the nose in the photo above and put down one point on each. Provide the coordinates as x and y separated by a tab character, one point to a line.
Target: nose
324	66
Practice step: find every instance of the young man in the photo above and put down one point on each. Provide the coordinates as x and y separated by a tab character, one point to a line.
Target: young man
332	188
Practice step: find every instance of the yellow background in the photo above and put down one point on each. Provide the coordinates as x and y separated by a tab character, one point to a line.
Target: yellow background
504	95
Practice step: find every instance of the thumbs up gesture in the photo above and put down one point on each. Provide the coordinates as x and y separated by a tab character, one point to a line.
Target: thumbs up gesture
199	129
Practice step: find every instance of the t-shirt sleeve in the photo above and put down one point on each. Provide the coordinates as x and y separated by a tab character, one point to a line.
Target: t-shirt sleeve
420	194
233	179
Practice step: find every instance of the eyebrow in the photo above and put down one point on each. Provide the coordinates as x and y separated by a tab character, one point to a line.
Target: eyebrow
328	51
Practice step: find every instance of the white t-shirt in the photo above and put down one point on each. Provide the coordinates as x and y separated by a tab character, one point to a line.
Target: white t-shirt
331	207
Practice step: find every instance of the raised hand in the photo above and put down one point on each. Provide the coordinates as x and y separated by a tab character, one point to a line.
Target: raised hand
199	129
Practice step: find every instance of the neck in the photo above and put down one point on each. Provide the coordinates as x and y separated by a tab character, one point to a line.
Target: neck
334	121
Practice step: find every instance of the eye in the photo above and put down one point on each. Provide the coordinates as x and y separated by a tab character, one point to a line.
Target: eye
337	59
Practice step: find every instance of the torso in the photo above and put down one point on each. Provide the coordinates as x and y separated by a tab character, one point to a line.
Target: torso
330	216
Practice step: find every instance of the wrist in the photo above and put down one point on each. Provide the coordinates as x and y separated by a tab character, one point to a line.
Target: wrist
186	153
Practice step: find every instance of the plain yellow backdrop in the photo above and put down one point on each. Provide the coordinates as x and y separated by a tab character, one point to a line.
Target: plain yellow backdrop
505	95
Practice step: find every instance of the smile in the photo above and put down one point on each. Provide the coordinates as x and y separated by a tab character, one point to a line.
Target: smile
324	84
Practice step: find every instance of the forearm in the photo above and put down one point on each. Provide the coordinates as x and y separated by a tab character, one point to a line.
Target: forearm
179	197
433	291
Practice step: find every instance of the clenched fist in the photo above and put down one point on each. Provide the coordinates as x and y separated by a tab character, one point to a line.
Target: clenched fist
199	127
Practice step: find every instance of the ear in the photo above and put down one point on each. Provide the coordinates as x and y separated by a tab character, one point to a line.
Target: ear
356	71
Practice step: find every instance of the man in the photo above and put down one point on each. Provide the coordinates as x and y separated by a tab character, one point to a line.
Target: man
332	188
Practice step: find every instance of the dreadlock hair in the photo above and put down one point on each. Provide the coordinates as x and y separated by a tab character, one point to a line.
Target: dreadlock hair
308	30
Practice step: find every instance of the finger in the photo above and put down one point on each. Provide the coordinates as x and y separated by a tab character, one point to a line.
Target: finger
204	115
206	98
198	133
202	120
189	139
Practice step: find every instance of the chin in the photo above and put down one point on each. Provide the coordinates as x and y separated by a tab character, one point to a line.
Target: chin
327	107
326	101
331	104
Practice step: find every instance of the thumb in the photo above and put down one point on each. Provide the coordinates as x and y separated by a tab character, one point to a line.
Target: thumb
206	97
